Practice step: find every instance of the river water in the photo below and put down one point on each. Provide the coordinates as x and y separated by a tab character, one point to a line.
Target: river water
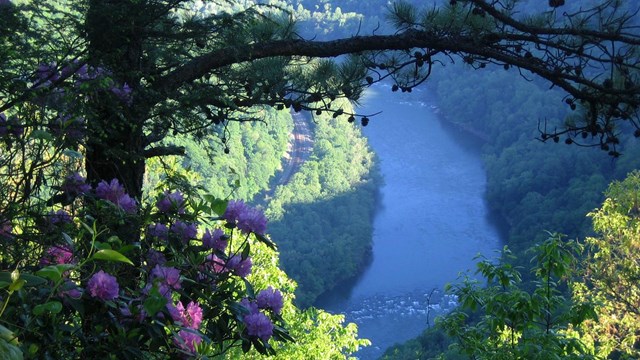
431	222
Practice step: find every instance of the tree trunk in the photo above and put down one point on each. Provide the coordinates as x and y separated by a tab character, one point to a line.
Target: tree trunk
115	150
115	145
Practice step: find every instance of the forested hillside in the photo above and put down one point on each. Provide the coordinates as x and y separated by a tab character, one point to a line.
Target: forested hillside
535	186
238	161
322	219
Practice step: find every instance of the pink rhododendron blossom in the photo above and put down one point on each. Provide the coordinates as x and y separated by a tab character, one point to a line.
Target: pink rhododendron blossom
187	341
57	254
190	317
216	264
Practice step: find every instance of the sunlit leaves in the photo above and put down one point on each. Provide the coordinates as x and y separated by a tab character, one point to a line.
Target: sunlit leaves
612	271
515	322
111	255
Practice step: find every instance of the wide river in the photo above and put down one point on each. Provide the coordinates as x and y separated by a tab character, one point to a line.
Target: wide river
431	222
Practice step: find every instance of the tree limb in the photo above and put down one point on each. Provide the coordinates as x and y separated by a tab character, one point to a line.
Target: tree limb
164	150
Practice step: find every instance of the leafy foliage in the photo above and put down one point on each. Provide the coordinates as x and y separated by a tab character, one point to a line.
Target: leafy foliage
84	291
526	178
322	218
515	323
611	270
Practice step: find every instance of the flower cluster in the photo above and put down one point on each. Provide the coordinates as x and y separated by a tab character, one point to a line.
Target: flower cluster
171	203
59	217
103	286
240	266
159	230
6	229
184	231
257	323
246	218
57	254
216	240
75	185
114	193
271	299
66	125
168	276
48	74
235	264
185	275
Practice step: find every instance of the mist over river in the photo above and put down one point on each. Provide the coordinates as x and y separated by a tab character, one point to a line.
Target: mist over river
431	222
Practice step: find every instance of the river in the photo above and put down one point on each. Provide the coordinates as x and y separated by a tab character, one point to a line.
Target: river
431	222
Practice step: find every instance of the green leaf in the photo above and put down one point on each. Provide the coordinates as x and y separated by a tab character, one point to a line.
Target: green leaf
54	272
17	285
102	246
246	251
250	291
52	307
111	255
88	228
114	240
72	154
216	205
282	334
41	135
128	248
246	345
67	239
32	280
155	302
263	239
10	351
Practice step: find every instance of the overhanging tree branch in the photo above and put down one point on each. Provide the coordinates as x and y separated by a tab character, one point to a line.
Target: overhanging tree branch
164	151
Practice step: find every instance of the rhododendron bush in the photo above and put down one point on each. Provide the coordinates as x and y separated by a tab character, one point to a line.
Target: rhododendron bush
107	275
